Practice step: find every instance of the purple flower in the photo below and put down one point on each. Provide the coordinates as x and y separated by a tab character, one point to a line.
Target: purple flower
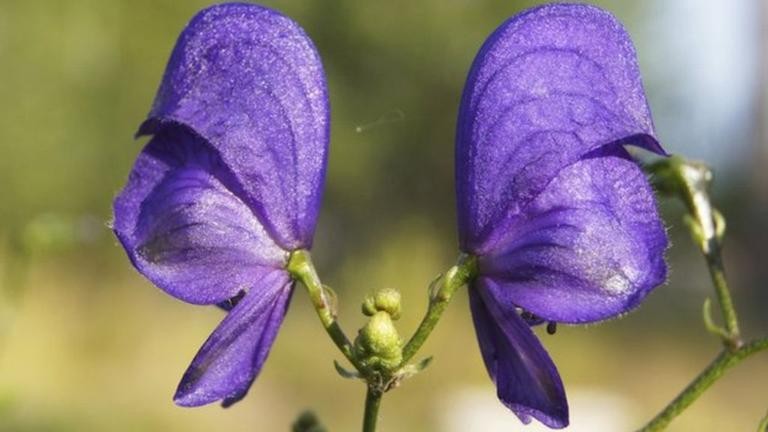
229	184
562	221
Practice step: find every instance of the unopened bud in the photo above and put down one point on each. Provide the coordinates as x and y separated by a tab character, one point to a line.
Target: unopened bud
378	345
383	300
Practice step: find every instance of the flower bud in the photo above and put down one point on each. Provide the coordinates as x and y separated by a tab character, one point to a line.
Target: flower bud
378	345
383	300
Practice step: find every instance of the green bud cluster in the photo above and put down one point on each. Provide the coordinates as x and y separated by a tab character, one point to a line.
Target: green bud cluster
383	300
378	346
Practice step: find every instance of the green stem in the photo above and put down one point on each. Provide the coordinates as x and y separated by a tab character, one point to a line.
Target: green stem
372	403
301	268
697	180
458	276
690	182
717	272
725	360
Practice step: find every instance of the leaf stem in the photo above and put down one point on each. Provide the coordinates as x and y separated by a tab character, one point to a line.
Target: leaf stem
457	276
725	360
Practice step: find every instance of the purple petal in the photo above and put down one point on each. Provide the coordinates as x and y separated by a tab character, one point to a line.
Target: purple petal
527	381
231	358
589	247
184	225
547	87
249	81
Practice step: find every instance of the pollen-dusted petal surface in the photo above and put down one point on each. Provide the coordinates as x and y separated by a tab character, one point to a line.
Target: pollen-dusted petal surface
249	81
185	227
231	358
526	380
589	247
547	87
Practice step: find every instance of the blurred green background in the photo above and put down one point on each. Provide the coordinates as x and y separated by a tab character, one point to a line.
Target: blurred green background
86	344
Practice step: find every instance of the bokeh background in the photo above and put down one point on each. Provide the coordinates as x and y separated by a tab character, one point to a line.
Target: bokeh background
86	344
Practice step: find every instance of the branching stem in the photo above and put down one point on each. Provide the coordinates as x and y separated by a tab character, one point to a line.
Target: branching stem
725	360
690	182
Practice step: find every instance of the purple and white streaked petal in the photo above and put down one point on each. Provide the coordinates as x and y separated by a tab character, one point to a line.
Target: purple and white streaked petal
233	355
589	247
249	81
184	226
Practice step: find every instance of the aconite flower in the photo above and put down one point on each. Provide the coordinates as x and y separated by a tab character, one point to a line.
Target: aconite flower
561	220
229	184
